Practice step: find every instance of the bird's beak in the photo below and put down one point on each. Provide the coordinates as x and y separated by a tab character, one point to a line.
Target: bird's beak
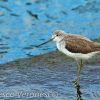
45	42
53	37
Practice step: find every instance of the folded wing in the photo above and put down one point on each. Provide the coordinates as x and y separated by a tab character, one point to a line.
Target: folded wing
79	45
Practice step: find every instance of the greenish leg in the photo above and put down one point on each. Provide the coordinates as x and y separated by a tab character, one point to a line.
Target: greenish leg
79	68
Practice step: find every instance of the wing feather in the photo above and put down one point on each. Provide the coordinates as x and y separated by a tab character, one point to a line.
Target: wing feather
79	45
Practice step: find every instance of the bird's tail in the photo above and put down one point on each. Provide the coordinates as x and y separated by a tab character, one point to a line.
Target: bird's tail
97	47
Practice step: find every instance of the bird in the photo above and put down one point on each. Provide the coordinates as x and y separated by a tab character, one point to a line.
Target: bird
76	46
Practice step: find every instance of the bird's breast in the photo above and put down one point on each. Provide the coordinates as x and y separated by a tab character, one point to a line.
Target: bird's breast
61	47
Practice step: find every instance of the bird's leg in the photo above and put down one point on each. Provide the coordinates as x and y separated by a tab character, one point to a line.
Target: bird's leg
79	68
81	64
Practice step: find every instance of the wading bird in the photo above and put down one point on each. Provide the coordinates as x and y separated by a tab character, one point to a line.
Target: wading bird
76	46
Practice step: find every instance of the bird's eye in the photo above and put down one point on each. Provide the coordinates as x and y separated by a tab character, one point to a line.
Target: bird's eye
57	35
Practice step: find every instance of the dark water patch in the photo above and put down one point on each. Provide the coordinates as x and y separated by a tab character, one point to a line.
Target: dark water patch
32	14
33	24
30	47
64	12
88	7
0	40
29	54
40	1
45	48
4	47
58	21
4	0
50	17
6	8
3	52
31	33
5	37
13	14
47	21
42	39
28	3
2	44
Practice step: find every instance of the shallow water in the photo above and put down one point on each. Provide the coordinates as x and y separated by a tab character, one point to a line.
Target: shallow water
25	23
55	83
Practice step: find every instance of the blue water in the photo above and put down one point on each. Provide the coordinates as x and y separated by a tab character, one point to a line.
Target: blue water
25	23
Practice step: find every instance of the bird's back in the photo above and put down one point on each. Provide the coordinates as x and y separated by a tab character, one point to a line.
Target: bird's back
97	47
80	44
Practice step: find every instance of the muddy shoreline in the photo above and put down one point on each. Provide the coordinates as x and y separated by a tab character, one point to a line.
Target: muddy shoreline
51	58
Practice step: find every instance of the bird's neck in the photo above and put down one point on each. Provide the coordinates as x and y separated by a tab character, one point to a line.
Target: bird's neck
60	40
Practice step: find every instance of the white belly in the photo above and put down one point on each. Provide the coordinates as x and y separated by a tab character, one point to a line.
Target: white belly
61	47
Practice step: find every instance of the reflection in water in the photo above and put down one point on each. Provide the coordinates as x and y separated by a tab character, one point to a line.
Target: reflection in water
79	93
39	77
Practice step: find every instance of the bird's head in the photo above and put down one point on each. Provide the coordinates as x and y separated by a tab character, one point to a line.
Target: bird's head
58	35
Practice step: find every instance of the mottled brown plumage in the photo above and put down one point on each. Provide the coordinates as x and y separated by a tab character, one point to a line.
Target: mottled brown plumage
79	44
